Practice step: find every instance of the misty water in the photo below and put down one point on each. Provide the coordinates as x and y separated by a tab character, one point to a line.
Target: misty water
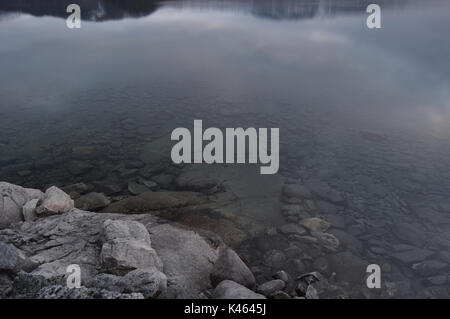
363	115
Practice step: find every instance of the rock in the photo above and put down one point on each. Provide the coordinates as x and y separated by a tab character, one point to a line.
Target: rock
92	201
327	240
311	293
151	282
12	199
315	224
55	201
13	260
77	237
29	210
282	275
228	289
281	295
188	260
429	267
296	191
412	256
121	255
268	288
150	184
62	292
75	190
348	267
78	168
326	207
137	189
163	180
438	280
230	266
275	259
292	229
192	180
107	189
85	152
155	201
325	192
125	229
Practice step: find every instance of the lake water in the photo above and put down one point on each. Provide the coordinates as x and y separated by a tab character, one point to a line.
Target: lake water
363	115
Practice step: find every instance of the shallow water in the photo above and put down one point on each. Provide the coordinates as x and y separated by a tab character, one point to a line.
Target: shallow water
365	111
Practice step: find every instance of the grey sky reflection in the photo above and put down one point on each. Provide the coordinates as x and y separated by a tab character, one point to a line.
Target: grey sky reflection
398	76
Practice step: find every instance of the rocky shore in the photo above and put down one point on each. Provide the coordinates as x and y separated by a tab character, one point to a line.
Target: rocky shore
120	255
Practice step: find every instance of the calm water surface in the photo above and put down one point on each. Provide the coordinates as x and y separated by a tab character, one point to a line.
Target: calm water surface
365	111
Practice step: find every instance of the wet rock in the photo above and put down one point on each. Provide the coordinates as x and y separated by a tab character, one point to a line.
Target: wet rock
281	295
282	275
321	264
55	201
438	280
92	201
296	191
75	190
12	199
326	208
268	288
311	293
325	192
230	266
156	201
327	240
228	289
348	267
315	224
429	267
29	210
137	189
292	229
107	189
85	152
163	180
193	180
78	168
412	256
275	259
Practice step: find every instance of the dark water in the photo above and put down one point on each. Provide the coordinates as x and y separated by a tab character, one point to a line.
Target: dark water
365	111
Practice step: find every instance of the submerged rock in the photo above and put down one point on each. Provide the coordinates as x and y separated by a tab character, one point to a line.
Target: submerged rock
92	201
228	289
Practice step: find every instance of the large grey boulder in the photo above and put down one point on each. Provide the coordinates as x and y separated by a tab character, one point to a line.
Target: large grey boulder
127	247
125	229
228	289
230	266
55	201
12	199
188	260
119	256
